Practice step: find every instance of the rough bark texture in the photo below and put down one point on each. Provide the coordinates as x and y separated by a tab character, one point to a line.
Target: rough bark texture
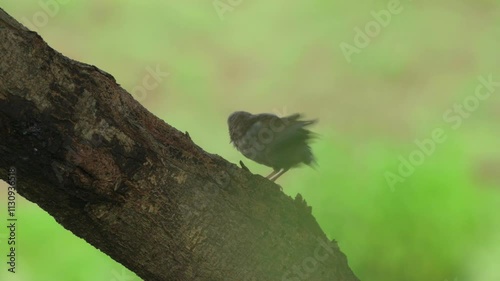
138	189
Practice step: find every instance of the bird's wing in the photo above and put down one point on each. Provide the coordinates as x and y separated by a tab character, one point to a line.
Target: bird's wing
294	129
281	129
292	141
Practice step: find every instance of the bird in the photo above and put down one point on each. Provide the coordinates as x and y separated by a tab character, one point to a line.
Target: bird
281	143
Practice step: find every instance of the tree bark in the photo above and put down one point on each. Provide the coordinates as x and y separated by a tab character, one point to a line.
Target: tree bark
138	189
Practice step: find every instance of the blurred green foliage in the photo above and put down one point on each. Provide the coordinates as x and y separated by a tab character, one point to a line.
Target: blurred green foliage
277	56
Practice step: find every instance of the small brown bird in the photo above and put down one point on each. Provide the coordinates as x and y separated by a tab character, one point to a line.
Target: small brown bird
280	143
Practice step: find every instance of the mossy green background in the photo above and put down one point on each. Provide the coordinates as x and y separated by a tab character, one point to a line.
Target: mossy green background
440	223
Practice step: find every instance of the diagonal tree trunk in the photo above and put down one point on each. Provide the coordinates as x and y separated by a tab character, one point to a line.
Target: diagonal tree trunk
138	189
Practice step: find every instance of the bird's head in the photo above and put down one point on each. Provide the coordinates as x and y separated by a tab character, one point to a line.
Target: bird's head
235	120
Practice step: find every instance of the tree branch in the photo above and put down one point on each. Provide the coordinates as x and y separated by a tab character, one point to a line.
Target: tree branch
138	189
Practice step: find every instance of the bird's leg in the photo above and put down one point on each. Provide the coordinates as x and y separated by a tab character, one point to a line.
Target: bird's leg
272	174
277	175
